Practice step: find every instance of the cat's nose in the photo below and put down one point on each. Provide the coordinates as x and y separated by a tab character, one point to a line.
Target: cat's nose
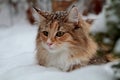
49	44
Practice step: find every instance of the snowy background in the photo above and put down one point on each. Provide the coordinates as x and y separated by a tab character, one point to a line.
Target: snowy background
17	58
17	51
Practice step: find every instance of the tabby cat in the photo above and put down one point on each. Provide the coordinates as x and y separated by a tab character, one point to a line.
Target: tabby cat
63	40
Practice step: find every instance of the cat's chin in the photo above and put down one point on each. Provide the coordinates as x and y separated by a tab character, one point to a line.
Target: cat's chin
53	51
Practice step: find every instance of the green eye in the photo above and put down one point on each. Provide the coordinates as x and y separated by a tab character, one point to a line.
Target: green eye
60	33
45	33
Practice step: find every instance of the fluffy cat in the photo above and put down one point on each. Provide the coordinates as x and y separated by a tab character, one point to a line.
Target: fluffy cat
63	40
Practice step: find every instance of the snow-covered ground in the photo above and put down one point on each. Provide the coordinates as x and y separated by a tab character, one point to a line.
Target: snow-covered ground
17	58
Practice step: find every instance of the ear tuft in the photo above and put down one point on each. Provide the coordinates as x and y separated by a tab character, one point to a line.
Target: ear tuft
36	9
41	13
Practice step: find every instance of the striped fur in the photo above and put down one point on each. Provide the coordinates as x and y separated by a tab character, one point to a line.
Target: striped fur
72	50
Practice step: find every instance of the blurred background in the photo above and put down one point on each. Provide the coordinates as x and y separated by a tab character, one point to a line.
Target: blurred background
15	8
104	16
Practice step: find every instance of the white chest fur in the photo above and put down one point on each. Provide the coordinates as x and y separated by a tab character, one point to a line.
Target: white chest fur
61	61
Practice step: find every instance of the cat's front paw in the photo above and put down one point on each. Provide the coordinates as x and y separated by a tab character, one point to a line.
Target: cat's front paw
73	67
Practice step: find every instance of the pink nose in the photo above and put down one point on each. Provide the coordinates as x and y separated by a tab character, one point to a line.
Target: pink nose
49	44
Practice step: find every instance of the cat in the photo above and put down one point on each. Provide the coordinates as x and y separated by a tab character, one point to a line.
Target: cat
63	40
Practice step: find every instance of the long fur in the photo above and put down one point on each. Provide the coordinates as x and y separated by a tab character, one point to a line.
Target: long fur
72	50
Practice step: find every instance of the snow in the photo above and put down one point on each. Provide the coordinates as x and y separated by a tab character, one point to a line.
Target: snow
107	40
17	56
117	47
17	59
6	18
99	23
112	17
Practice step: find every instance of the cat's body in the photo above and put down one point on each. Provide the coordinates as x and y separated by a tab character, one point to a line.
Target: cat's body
63	41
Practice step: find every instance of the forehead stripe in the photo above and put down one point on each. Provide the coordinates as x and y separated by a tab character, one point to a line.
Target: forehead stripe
54	24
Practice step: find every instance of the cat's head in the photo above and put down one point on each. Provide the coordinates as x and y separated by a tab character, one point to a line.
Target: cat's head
58	31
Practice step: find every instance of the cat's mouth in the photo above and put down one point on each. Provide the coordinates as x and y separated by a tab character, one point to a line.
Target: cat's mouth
53	48
50	47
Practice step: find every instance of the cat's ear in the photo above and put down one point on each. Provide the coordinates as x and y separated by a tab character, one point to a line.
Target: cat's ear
42	14
74	15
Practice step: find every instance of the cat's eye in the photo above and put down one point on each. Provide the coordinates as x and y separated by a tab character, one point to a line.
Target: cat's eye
45	33
60	33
